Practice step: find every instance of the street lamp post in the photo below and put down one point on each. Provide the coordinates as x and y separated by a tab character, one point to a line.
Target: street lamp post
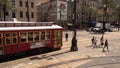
118	17
104	19
90	17
82	14
74	40
60	18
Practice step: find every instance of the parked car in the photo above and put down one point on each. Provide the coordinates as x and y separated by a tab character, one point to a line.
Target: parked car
97	30
89	29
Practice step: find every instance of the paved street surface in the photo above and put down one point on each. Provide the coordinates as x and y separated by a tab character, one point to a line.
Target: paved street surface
85	57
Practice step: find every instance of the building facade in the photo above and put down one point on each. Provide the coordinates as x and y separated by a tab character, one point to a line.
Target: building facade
55	11
23	10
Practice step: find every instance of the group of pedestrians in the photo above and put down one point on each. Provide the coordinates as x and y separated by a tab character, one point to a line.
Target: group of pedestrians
94	40
103	44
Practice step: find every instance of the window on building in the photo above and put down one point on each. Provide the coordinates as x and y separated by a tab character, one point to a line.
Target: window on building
13	15
26	4
32	14
13	2
21	14
26	14
7	13
21	3
32	4
93	5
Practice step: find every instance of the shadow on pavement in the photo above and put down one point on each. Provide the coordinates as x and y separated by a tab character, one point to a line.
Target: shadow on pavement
87	58
102	64
47	57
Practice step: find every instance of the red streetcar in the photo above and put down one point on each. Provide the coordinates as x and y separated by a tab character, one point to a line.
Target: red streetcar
16	38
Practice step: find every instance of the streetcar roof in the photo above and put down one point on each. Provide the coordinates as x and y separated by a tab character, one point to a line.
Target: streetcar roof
30	28
21	22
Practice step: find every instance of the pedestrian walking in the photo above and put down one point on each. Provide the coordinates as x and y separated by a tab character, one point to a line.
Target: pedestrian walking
106	45
95	43
66	36
101	42
92	41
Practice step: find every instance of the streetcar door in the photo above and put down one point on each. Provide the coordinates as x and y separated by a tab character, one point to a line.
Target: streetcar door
1	44
10	42
7	42
14	42
57	38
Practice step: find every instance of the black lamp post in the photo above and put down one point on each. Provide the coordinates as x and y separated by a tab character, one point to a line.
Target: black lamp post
104	18
74	40
60	17
90	17
82	13
118	17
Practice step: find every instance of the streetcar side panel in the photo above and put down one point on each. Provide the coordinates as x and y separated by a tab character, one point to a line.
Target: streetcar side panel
13	41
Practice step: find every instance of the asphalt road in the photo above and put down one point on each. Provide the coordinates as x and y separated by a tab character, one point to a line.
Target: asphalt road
85	57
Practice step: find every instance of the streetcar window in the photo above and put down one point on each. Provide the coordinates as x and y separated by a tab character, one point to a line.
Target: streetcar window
55	38
14	34
56	34
8	38
23	37
48	35
0	39
0	35
14	38
42	35
7	35
59	34
36	36
30	36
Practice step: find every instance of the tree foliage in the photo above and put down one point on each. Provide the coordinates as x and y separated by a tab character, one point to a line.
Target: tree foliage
5	6
6	3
